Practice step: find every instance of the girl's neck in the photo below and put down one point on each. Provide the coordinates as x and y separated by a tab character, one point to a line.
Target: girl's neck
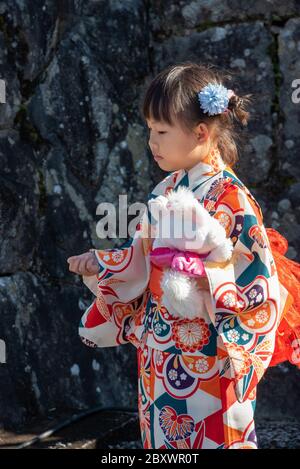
205	158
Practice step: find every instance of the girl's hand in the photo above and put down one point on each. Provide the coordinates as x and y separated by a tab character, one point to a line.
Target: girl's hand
84	264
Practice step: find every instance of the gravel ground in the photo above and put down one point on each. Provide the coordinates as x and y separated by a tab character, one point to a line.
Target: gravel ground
109	430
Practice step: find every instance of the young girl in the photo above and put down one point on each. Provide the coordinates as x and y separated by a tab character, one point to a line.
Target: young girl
197	378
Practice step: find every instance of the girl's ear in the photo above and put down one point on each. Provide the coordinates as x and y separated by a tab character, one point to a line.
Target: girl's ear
202	133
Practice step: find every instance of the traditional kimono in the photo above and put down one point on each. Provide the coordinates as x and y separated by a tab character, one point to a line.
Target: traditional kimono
197	378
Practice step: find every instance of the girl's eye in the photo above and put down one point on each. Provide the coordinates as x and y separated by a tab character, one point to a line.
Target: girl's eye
159	132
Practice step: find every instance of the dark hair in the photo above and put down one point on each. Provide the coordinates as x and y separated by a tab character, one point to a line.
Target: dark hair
173	93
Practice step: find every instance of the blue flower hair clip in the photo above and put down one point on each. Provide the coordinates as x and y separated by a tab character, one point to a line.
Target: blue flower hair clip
214	98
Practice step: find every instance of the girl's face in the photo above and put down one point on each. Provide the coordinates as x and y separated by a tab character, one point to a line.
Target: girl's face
174	149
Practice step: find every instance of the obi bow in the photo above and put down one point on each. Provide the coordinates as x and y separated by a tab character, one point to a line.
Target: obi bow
187	262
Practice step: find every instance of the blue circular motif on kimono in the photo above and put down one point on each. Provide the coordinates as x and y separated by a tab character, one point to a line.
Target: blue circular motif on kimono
213	99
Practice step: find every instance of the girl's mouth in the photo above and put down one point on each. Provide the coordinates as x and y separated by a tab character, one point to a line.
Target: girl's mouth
158	157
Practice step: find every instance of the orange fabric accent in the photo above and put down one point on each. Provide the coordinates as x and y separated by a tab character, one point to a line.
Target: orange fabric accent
232	435
231	200
287	341
211	387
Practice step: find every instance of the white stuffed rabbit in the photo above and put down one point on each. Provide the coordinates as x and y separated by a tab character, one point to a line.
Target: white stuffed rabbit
184	224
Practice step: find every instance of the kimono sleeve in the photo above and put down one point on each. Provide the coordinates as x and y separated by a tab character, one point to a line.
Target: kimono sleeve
244	293
121	289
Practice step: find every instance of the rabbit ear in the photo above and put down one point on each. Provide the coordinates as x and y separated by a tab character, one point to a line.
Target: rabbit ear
181	198
157	207
160	201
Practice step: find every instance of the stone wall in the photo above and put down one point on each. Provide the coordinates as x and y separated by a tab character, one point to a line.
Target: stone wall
71	136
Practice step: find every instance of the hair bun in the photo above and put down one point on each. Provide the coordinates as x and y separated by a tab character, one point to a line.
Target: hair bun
235	102
237	105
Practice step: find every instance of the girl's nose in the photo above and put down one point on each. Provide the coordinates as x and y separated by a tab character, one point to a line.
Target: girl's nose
152	145
153	151
151	141
152	148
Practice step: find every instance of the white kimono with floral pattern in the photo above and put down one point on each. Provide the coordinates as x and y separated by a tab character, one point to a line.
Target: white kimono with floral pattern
196	378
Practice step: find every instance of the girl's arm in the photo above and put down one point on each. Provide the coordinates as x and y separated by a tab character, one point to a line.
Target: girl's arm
245	292
121	290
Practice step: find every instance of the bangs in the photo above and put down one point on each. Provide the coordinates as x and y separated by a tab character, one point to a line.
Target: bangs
157	105
166	99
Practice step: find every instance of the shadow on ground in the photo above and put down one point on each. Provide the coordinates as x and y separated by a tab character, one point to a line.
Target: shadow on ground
108	430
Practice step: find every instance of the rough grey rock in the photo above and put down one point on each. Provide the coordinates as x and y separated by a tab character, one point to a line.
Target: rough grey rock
171	17
294	194
47	366
13	93
289	98
71	137
19	203
276	392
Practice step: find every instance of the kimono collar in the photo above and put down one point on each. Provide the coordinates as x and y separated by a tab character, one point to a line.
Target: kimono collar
209	166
